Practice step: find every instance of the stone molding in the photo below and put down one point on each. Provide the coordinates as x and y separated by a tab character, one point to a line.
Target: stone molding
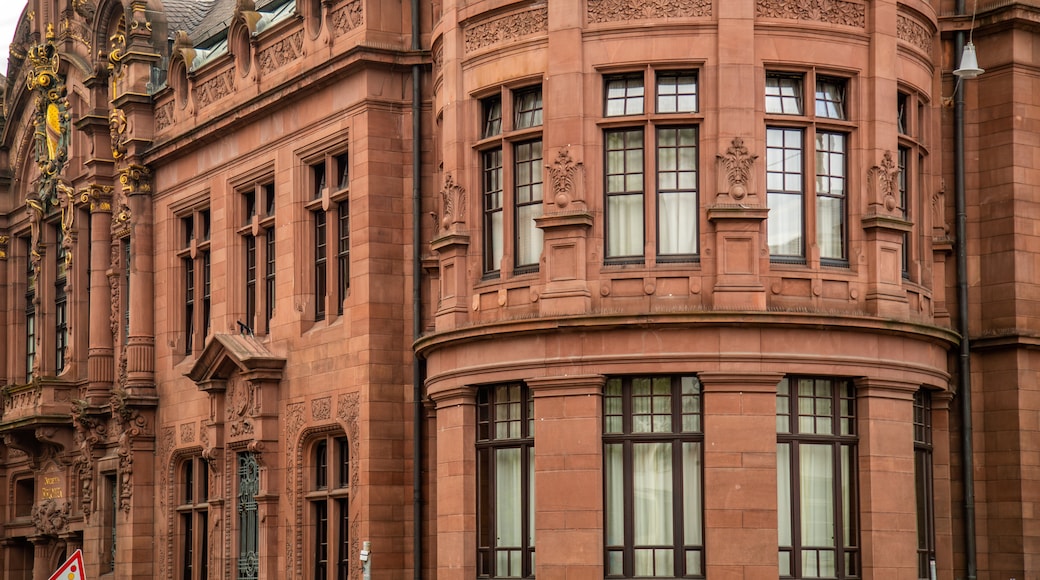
827	11
600	11
506	28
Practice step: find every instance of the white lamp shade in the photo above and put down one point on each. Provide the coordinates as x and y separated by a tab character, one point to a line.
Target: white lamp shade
969	68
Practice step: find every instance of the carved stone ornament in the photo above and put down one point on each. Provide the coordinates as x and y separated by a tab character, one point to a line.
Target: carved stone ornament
828	11
164	115
215	89
349	17
453	198
561	177
881	180
239	399
625	10
736	168
91	430
118	129
913	32
131	424
507	28
50	118
50	517
97	197
136	179
5	240
281	53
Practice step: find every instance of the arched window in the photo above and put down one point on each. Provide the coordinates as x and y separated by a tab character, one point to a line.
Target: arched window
328	497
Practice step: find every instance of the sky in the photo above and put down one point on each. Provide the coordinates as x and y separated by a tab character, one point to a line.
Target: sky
10	10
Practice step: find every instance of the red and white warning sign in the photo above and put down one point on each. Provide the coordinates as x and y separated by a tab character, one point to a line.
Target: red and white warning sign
72	569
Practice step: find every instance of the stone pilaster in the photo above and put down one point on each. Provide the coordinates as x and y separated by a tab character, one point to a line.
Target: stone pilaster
456	522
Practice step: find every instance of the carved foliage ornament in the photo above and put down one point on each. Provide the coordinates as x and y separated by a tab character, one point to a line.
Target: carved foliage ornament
349	17
881	180
90	430
51	517
453	198
737	165
624	10
913	32
507	28
561	176
281	53
829	11
131	424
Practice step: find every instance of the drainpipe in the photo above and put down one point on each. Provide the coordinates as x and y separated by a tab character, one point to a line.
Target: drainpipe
964	357
418	366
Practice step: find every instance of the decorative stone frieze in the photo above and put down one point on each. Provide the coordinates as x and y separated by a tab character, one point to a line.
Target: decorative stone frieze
215	89
281	53
828	11
164	116
625	10
913	32
349	17
507	28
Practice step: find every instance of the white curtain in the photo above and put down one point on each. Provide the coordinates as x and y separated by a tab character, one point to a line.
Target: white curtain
652	507
625	219
816	479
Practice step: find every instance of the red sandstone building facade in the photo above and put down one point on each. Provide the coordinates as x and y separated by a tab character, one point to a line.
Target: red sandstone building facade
516	289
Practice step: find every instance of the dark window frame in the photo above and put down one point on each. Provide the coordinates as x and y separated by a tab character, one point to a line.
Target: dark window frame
194	255
505	423
330	276
924	482
328	500
800	419
193	518
258	208
624	406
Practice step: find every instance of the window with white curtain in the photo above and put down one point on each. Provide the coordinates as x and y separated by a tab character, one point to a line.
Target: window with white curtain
512	175
651	166
923	483
505	482
817	502
794	133
652	465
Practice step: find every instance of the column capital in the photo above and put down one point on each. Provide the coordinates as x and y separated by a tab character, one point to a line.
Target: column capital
886	388
453	396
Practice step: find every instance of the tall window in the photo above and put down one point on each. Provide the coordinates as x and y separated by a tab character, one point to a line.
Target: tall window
30	312
330	508
329	182
193	515
653	450
510	150
257	234
61	310
248	524
110	508
505	482
912	161
923	478
816	478
670	212
795	219
197	282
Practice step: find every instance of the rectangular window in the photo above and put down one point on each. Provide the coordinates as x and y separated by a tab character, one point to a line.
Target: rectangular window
193	511
784	94
248	484
491	170
30	312
923	483
830	195
258	204
505	482
528	191
904	202
342	253
61	311
320	265
330	511
528	108
816	478
677	92
511	179
194	254
653	472
784	179
677	211
330	228
624	95
807	208
624	190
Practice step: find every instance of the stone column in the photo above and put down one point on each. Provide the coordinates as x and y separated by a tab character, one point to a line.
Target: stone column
568	474
100	362
140	348
888	532
740	516
456	518
941	478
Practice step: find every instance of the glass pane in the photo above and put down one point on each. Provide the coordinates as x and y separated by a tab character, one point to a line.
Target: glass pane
816	482
783	494
691	493
507	498
693	562
677	223
652	493
625	216
613	469
785	224
615	563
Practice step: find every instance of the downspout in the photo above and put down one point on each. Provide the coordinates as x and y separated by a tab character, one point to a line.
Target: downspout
418	368
964	357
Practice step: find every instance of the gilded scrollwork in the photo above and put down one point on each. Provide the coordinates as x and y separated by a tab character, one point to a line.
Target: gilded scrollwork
119	130
4	243
51	116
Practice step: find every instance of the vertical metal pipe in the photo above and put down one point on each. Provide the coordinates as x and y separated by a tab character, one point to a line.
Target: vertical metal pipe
418	368
964	356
